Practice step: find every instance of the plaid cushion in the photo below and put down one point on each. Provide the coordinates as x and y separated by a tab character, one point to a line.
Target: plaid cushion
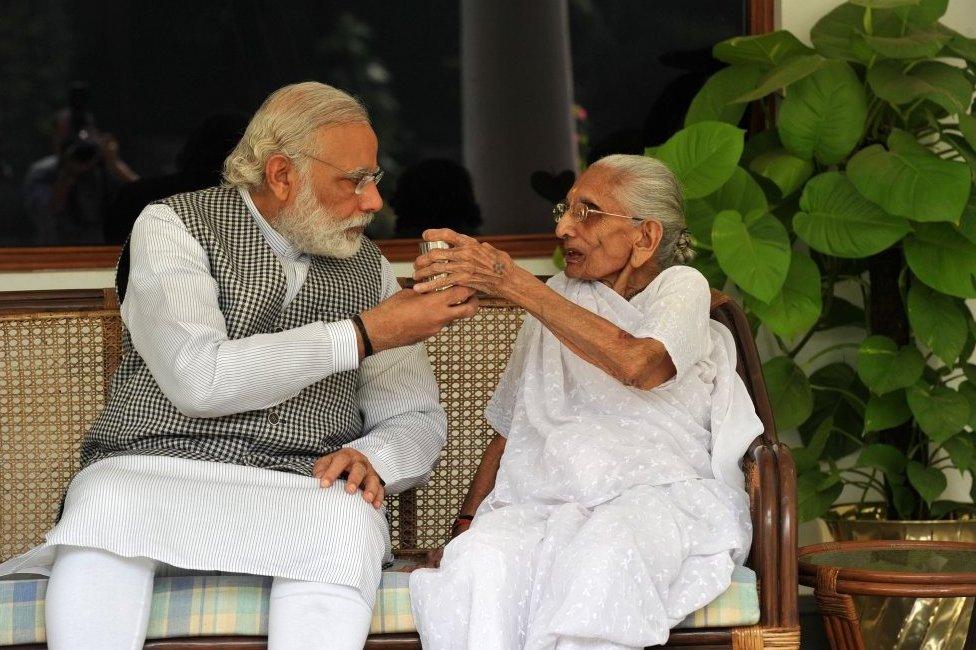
237	605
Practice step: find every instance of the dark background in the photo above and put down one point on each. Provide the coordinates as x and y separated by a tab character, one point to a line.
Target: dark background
157	68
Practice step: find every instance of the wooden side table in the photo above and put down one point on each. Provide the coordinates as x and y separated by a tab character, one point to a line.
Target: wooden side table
914	569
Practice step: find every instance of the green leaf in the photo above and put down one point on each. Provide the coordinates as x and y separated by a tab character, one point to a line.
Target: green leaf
960	46
904	500
740	192
887	458
786	73
823	115
884	4
929	482
843	314
961	450
804	460
969	370
833	34
886	411
937	82
712	101
883	367
820	438
785	170
758	144
967	124
924	13
907	183
789	392
703	156
967	224
811	502
838	406
938	322
708	266
837	220
942	508
765	49
968	390
942	258
754	253
921	43
796	308
940	411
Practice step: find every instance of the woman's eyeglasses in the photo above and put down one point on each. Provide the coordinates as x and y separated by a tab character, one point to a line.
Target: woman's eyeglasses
580	212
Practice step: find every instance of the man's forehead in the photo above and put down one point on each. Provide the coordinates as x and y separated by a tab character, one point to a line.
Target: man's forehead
354	145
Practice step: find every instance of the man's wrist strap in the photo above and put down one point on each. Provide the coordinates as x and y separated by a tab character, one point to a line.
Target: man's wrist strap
367	345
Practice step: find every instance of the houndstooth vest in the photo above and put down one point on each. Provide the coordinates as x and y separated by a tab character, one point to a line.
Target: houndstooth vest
251	285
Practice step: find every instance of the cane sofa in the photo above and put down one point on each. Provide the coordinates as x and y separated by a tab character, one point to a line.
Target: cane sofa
59	348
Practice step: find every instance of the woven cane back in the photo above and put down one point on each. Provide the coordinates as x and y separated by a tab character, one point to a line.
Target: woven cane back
54	368
468	358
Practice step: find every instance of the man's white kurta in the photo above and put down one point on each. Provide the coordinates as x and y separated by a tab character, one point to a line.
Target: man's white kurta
616	511
218	516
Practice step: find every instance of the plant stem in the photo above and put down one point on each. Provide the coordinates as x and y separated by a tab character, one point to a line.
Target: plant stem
839	346
846	393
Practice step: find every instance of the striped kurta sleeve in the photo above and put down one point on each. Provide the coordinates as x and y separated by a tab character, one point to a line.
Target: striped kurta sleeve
405	426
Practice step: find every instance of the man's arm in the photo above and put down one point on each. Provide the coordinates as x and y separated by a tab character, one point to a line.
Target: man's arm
404	425
172	313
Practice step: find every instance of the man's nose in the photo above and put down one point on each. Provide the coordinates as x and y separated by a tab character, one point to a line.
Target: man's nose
370	200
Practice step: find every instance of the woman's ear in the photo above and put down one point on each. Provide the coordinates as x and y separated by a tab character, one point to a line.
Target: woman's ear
646	243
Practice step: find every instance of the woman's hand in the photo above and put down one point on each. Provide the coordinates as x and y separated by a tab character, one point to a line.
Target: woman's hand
469	263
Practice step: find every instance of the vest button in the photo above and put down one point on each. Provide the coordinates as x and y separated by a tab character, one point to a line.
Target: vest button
273	417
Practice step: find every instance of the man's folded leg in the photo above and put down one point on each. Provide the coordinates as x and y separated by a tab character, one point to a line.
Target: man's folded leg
97	600
306	615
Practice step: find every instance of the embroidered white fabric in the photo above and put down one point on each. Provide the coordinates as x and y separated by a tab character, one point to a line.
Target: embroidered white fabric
616	511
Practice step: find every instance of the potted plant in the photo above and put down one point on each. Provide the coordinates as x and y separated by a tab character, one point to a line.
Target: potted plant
849	224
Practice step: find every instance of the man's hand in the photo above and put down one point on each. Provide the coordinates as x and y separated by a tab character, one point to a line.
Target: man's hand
358	470
408	317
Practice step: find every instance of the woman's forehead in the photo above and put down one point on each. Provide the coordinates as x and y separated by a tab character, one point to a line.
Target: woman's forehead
593	187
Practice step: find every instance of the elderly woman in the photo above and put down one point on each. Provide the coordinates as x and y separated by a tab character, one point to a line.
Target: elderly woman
611	504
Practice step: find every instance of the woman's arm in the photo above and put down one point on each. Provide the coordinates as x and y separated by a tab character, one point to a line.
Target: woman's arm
483	482
640	362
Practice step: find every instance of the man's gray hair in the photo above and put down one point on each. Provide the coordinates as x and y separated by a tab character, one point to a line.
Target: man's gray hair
285	124
647	189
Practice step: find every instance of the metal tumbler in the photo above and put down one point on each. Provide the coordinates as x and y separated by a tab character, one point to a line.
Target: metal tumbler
426	247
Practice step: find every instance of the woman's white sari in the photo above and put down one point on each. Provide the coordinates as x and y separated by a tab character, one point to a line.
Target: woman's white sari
616	511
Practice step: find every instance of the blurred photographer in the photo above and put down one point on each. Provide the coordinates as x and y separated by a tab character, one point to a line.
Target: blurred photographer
66	193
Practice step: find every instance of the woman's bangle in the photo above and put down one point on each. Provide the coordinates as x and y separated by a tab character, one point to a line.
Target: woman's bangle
367	345
460	518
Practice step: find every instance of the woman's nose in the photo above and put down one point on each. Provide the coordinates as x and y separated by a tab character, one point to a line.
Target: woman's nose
565	227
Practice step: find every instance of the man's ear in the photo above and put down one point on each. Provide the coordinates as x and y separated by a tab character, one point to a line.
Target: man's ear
280	176
646	243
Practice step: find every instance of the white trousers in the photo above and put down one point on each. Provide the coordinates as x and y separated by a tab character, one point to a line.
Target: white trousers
97	600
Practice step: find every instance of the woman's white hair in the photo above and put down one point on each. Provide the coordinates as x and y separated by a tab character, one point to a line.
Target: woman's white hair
285	124
647	189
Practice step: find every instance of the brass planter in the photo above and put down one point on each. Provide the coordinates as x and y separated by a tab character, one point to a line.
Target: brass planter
906	623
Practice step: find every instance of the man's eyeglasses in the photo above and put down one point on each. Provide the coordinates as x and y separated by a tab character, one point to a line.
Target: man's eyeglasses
361	178
581	211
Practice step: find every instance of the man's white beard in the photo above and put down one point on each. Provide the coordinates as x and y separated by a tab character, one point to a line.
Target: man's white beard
314	229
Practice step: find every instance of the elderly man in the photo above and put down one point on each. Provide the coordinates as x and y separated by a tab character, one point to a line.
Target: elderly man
273	389
610	505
